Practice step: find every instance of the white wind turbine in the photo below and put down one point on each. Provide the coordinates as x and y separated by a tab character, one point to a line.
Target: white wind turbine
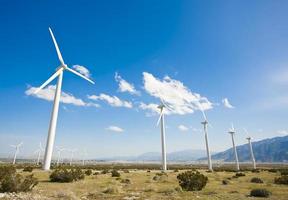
59	150
39	152
84	157
72	151
163	141
17	147
205	126
232	133
251	149
54	116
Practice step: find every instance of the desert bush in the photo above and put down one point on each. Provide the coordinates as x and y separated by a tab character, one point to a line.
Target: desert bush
125	170
192	181
225	182
161	177
255	171
260	193
239	174
63	175
28	169
283	172
126	181
256	180
272	170
10	181
105	171
281	180
88	172
115	173
112	190
96	173
176	170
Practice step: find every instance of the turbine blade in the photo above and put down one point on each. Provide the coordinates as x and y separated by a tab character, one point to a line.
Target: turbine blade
57	48
232	125
77	73
48	81
161	114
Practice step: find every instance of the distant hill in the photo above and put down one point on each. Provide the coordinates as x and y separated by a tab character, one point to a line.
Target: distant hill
268	150
177	156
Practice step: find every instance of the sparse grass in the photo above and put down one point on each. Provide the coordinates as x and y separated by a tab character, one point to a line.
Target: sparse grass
141	186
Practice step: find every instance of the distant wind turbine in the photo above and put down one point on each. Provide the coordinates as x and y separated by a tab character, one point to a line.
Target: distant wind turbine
39	152
232	133
163	141
54	116
205	126
72	151
59	150
251	149
17	147
84	157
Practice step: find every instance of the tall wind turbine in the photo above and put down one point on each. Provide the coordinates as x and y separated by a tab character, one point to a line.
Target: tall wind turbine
163	142
232	133
205	126
84	157
251	149
54	116
17	147
39	152
72	151
59	150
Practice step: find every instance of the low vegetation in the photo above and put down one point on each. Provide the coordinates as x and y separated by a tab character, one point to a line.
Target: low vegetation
115	173
64	175
256	180
28	169
192	181
88	172
260	193
281	180
11	181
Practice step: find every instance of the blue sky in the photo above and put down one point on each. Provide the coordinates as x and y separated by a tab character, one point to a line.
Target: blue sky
218	49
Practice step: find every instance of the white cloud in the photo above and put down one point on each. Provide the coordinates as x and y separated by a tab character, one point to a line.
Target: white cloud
115	129
282	132
124	86
175	94
82	70
226	103
49	92
183	128
112	100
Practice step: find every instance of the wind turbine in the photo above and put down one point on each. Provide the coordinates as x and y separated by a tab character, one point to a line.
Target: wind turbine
39	151
17	147
163	142
232	132
205	126
59	150
72	151
84	157
54	116
251	149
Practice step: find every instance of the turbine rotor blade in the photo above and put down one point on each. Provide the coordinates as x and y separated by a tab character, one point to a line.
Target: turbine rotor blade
77	73
161	114
48	81
57	48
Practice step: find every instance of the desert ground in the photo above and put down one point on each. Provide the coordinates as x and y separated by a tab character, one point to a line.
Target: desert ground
142	184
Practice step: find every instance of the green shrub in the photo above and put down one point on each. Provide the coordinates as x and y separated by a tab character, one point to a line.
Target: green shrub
284	172
260	193
96	173
192	181
28	169
256	180
125	170
115	173
273	170
239	174
126	181
63	175
88	172
281	180
225	182
255	171
10	181
176	170
105	171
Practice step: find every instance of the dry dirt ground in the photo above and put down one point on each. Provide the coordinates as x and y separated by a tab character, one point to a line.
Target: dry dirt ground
142	186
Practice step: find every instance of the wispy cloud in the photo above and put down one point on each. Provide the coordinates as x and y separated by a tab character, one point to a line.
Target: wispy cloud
282	132
49	92
115	129
183	128
112	100
82	70
124	86
227	104
175	94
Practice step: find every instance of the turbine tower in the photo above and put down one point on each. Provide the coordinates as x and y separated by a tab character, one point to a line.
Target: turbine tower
251	149
39	151
72	151
205	126
17	147
232	133
84	157
163	141
59	150
54	116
